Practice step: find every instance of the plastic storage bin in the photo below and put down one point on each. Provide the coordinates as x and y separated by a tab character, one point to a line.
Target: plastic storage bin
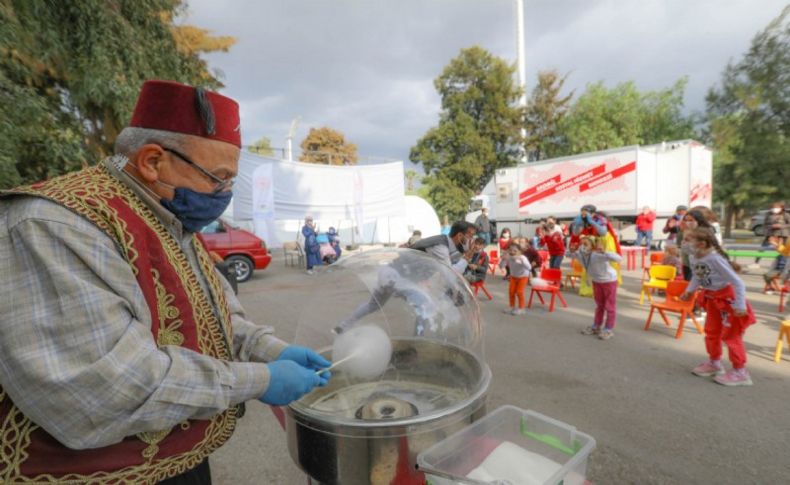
538	438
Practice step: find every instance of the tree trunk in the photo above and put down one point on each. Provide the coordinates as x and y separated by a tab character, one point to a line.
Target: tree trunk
729	213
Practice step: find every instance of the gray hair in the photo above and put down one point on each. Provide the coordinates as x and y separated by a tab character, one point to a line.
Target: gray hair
132	139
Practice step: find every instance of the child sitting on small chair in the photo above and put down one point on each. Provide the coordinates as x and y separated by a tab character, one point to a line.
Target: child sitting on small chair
672	258
597	263
774	277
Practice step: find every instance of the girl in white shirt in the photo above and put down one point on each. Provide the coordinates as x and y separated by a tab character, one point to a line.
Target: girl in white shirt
723	295
519	267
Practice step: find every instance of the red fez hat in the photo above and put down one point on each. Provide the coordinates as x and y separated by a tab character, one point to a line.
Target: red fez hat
171	106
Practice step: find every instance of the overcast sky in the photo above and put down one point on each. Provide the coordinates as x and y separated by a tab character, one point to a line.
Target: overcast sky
366	67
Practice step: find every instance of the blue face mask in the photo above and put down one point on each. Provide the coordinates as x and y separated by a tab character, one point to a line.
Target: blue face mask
197	210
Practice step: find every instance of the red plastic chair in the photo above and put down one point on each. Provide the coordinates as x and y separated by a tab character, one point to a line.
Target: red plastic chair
785	290
674	304
554	278
480	285
493	260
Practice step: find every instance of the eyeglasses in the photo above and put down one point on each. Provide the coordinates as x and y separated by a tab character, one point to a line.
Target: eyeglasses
219	184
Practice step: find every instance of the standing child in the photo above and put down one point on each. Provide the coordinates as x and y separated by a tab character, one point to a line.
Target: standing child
723	295
519	275
554	241
504	244
597	263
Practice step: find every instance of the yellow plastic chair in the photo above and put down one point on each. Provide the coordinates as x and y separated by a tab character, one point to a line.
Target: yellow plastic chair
784	334
660	275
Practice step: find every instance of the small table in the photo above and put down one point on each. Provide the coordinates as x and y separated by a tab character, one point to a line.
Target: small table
630	252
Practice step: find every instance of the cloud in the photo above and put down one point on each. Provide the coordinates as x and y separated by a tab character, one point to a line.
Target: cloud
366	67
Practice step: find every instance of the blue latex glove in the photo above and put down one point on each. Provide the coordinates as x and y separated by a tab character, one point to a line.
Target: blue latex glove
288	381
307	358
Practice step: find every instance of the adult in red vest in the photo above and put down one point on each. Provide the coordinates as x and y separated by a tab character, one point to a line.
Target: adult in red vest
126	357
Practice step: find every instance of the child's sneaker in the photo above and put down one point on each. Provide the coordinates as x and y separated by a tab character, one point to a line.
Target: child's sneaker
605	334
508	311
734	377
707	369
591	330
520	311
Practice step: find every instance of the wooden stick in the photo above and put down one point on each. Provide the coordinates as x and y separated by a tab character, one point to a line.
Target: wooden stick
335	364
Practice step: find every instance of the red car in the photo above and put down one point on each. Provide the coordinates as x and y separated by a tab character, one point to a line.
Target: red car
243	249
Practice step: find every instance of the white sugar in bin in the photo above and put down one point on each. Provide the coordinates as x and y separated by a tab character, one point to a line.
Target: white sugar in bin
509	446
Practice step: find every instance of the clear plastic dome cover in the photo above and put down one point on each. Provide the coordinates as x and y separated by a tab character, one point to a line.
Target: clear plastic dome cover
432	320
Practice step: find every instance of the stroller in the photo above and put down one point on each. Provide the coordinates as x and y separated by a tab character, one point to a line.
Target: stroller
329	246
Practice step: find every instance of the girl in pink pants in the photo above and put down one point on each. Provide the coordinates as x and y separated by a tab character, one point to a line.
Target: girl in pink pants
598	264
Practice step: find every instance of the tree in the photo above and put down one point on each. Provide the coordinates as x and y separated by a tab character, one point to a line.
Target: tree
478	131
602	118
72	70
327	146
545	111
748	123
411	176
262	147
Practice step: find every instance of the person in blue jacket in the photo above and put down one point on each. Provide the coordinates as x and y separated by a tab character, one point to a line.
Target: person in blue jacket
312	249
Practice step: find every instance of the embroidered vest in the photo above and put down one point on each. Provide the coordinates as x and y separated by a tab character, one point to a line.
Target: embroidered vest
181	314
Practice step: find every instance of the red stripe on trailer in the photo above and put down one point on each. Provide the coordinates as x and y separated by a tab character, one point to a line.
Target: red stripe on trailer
608	177
572	182
548	183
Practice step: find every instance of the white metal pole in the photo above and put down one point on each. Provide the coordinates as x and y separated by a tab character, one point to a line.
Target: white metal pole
291	133
521	64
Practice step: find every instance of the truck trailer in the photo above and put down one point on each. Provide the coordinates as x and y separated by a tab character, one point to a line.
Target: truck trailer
619	182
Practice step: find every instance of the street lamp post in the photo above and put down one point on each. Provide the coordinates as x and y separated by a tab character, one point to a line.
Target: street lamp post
291	133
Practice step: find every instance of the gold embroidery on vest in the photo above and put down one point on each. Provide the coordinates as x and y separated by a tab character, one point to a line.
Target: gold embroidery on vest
169	323
207	265
16	429
153	438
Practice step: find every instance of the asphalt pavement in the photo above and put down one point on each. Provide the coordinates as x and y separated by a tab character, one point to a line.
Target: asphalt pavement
654	422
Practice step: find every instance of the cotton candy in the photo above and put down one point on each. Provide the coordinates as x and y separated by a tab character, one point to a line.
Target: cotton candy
368	349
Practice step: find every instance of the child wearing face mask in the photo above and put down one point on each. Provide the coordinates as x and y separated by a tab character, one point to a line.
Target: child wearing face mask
597	263
723	295
519	276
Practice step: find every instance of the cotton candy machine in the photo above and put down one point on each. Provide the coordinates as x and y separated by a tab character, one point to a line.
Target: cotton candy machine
370	430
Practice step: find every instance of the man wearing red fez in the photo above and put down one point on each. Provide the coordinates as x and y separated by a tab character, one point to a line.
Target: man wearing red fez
126	358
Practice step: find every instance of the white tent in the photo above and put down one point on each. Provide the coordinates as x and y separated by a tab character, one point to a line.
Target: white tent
366	203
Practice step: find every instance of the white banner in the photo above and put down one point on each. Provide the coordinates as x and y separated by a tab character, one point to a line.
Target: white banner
263	214
324	191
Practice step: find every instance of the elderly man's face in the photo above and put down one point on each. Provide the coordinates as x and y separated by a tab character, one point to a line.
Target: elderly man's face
219	159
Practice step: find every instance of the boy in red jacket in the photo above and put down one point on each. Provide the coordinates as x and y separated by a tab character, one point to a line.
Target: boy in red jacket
554	241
